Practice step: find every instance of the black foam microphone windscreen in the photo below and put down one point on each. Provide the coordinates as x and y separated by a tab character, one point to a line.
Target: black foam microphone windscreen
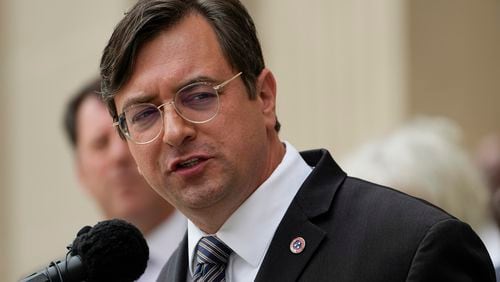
112	250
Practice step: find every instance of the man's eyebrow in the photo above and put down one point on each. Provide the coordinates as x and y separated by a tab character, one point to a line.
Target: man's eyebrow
137	100
194	80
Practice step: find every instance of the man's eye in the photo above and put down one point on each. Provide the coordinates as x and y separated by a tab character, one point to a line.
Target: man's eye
144	115
199	97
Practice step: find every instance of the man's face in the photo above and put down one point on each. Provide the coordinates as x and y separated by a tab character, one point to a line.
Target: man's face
229	156
106	168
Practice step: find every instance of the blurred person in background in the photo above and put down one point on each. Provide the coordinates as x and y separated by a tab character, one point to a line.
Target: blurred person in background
488	161
425	158
108	173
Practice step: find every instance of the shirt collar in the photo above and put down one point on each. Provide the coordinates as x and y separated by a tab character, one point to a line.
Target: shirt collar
250	229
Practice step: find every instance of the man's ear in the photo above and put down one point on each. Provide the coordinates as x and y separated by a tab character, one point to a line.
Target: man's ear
266	93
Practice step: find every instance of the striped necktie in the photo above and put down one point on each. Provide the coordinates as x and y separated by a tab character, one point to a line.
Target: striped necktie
211	259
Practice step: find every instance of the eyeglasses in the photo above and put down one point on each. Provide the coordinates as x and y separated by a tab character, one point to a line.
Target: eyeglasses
197	103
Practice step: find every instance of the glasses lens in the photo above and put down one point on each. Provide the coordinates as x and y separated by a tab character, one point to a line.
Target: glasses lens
144	122
198	102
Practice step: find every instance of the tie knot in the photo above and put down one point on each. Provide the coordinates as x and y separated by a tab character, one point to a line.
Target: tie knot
212	250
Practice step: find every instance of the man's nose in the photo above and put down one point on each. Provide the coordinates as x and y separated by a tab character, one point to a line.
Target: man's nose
176	130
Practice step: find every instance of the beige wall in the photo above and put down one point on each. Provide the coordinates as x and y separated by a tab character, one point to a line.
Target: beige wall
455	62
3	151
347	70
340	67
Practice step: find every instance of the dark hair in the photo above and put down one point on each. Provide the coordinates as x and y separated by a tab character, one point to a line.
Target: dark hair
91	89
230	20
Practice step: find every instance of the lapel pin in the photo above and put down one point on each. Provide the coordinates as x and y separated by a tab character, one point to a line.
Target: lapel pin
297	245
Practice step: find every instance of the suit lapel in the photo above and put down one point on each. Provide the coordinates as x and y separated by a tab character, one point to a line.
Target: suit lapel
280	264
313	199
176	268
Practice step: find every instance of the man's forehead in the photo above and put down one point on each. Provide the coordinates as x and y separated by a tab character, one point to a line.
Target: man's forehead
173	58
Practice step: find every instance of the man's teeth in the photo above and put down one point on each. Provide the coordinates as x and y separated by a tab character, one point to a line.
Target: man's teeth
189	163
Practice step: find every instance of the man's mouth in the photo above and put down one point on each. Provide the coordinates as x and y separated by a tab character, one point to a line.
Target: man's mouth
189	163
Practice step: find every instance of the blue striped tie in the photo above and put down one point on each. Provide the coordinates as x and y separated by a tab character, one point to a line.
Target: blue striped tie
211	260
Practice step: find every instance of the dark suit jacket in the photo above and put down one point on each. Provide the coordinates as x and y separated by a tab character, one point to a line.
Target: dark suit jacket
359	231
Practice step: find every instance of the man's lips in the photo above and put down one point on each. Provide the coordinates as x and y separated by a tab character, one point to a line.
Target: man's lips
186	163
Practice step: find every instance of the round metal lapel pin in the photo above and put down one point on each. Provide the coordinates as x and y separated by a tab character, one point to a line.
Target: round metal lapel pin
297	245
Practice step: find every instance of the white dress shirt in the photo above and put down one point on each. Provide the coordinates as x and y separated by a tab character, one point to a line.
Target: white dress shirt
162	242
250	229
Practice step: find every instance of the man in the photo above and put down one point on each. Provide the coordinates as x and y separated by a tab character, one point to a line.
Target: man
108	173
186	84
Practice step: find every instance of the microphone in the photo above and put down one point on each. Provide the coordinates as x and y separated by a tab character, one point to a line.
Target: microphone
112	250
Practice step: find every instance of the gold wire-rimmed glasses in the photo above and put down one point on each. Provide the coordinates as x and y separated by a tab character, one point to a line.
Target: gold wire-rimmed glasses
197	103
